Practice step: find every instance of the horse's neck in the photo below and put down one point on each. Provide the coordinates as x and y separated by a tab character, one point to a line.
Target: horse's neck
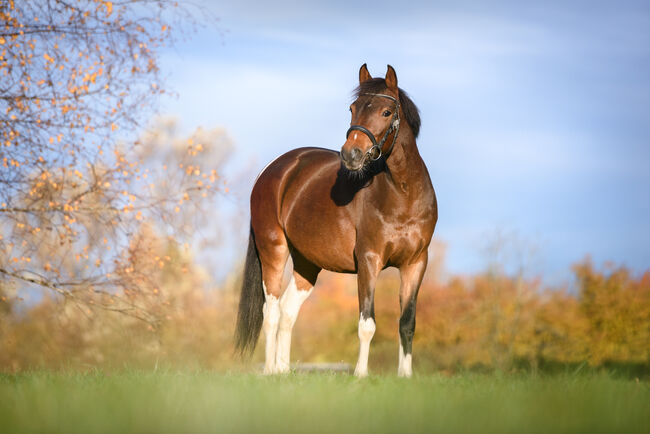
407	170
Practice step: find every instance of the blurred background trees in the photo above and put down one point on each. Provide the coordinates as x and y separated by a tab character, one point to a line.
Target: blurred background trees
479	322
82	190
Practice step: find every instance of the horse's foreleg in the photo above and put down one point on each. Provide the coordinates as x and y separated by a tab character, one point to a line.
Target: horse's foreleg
411	277
369	267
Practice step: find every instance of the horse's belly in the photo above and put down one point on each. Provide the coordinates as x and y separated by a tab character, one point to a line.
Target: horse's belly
322	238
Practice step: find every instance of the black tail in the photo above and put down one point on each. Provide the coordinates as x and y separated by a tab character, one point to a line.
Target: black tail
251	302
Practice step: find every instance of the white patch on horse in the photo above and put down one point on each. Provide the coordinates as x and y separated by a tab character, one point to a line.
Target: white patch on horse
366	332
290	304
271	312
355	136
404	368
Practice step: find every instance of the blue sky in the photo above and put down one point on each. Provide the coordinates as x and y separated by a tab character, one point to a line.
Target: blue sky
535	116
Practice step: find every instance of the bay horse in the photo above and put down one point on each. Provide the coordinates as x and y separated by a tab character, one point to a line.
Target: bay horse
365	208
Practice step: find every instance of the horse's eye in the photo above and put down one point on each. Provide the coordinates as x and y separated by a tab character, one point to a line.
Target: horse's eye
387	113
350	109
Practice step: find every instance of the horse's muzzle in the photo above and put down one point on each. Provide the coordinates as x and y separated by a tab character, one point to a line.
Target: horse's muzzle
353	159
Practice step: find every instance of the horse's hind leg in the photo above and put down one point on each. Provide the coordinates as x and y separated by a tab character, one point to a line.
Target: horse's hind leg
301	284
411	277
273	251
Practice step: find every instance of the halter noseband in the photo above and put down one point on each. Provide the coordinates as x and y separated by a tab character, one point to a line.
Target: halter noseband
394	126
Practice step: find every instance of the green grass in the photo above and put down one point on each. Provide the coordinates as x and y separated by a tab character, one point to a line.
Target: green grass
175	401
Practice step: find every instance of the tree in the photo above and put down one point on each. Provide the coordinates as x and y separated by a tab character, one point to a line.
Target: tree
77	78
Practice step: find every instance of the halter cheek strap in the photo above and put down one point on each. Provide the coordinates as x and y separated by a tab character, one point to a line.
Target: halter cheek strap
394	126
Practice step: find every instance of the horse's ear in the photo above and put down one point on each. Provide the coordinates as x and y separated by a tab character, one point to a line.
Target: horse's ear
391	78
364	75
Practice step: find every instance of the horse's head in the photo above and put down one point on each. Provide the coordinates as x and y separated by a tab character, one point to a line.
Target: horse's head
375	120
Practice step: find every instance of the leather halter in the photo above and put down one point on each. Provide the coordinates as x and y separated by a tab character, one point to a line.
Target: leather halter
394	126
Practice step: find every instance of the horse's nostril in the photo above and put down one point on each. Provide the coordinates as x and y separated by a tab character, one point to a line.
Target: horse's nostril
353	154
351	157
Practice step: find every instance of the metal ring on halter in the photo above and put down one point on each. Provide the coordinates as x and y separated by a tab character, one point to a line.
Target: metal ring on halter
378	150
394	125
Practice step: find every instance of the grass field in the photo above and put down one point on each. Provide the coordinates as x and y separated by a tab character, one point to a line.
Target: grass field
174	401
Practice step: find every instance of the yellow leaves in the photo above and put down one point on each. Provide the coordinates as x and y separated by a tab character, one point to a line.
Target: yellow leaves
109	8
48	58
2	41
107	184
113	126
90	77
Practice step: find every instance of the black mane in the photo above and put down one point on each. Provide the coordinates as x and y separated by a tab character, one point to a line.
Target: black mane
411	112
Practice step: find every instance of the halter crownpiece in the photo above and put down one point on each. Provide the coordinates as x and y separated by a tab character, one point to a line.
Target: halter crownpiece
394	126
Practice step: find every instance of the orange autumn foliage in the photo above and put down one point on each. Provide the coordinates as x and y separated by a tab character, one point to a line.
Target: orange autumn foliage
77	173
485	321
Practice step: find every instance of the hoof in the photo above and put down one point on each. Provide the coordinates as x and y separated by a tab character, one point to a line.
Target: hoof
360	373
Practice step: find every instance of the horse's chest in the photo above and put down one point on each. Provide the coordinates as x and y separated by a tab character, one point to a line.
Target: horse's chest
398	237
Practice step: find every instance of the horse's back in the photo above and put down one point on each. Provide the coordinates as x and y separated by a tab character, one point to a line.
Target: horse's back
292	198
280	173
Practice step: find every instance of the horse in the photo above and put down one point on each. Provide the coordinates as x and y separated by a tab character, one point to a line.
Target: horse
361	210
